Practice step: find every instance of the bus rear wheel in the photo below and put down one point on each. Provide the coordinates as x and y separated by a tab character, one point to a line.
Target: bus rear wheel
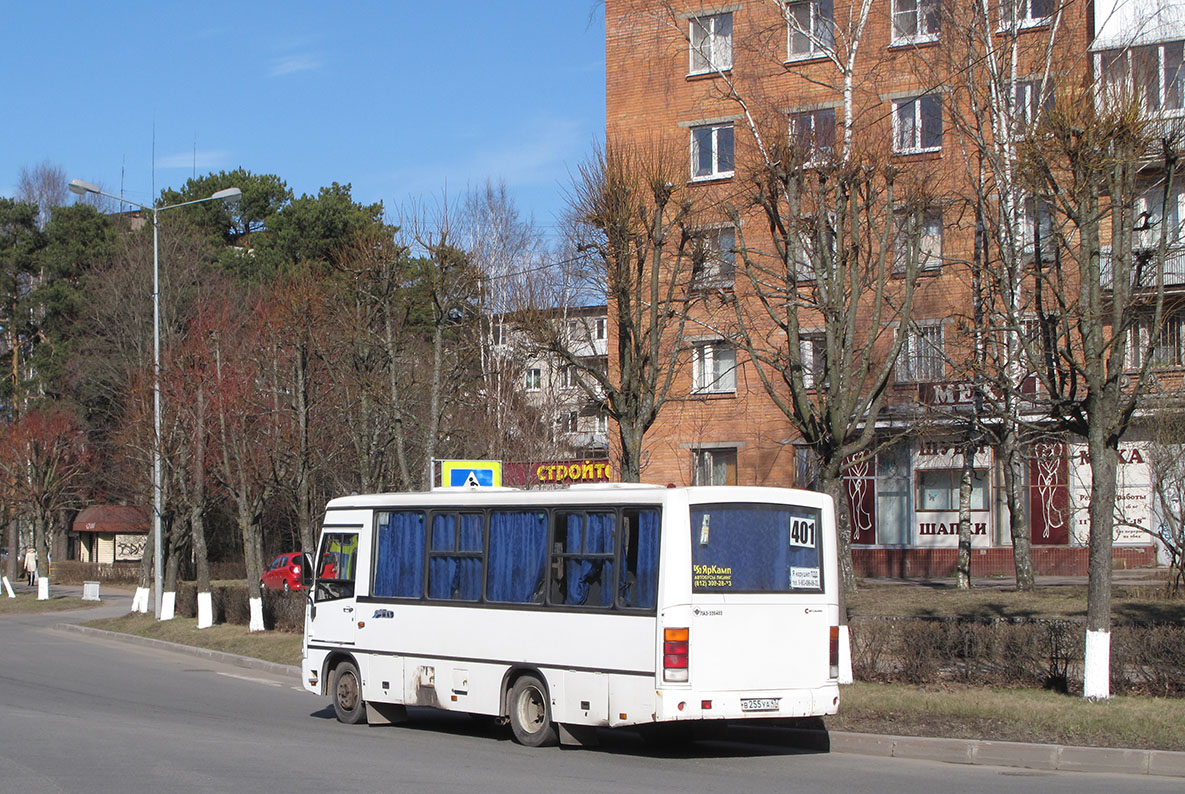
347	694
530	713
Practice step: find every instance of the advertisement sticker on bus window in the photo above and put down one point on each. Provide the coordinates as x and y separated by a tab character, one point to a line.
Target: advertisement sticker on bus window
804	578
704	531
711	576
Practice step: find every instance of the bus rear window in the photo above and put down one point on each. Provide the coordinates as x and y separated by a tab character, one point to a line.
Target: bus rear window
755	548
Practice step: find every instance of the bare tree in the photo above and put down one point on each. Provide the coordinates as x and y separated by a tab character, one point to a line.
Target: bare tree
1166	463
1094	165
632	231
44	185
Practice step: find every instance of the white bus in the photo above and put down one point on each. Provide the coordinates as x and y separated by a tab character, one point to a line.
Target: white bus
561	611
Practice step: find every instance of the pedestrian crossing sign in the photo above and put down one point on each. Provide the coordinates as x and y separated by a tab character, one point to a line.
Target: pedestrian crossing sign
471	473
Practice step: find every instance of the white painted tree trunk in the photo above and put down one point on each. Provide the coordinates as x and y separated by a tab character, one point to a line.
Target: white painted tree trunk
8	587
205	616
168	606
140	600
1096	682
43	588
256	614
845	656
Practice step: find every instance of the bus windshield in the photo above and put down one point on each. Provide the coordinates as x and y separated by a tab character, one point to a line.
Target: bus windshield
755	548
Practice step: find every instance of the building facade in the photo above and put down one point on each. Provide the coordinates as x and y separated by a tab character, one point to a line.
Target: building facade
724	83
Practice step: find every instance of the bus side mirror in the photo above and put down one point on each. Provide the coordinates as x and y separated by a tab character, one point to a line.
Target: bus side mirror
306	572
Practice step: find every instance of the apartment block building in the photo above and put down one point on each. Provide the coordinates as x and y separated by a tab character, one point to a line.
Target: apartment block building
731	86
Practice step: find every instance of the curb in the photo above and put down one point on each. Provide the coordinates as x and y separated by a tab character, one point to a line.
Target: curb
206	653
1051	757
1020	755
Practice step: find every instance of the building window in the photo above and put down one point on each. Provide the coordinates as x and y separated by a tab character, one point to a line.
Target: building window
602	325
602	423
922	356
917	124
813	134
814	360
714	366
810	30
711	151
1155	72
918	239
1025	13
1028	104
938	490
711	43
568	377
569	422
1168	343
714	258
534	379
1036	227
914	21
714	466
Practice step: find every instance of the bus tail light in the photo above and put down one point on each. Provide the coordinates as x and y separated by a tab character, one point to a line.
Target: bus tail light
674	654
833	653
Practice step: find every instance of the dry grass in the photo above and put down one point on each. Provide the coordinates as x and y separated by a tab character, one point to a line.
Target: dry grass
1011	715
1141	604
273	646
26	603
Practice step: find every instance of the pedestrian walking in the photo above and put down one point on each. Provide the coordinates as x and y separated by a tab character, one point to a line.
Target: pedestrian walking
31	566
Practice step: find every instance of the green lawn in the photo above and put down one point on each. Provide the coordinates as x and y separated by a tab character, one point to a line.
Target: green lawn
26	603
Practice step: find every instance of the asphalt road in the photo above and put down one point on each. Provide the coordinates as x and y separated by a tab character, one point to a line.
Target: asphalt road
86	714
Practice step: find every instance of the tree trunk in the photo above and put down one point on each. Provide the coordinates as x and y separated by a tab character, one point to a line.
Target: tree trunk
1103	466
831	482
253	559
1022	548
197	524
967	475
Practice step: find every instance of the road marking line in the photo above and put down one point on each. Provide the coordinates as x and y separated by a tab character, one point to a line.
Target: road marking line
250	678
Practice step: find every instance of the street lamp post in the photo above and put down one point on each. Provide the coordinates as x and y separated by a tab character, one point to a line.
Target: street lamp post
227	194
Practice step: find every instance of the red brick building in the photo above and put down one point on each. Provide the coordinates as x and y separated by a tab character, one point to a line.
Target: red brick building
716	81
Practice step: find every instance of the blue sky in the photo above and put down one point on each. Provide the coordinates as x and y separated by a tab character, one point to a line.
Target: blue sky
400	99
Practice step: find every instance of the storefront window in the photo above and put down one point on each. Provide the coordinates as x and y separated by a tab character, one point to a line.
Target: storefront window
939	490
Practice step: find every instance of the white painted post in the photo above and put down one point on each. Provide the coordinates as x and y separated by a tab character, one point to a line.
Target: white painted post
43	588
8	587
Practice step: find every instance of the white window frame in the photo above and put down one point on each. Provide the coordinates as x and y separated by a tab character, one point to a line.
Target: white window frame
602	327
1034	212
923	355
818	37
568	379
716	135
1168	350
814	358
911	109
704	462
922	14
710	38
1116	70
929	243
1024	13
534	379
718	267
713	368
819	151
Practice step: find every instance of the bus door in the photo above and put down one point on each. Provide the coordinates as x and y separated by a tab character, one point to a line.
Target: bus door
333	611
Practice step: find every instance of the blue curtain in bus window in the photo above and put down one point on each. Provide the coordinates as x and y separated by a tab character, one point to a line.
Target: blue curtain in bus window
399	563
639	585
590	574
517	557
754	549
455	576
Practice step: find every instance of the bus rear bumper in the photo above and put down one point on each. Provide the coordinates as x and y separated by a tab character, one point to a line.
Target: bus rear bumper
689	704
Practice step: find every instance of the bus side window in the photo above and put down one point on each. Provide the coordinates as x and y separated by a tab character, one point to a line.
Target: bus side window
583	566
455	556
638	585
516	567
399	558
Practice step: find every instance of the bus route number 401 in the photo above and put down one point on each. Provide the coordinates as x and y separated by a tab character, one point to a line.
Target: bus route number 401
802	532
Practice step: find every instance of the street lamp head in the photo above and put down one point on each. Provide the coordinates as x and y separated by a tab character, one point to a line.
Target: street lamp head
80	187
228	194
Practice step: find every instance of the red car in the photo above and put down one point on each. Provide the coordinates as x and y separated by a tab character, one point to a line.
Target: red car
284	572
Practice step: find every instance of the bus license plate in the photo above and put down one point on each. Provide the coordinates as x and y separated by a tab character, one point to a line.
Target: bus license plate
759	704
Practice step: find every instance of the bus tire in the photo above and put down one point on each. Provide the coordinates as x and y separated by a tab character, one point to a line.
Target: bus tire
530	713
347	694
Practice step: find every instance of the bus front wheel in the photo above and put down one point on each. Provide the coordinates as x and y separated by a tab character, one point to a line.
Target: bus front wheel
347	694
530	713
